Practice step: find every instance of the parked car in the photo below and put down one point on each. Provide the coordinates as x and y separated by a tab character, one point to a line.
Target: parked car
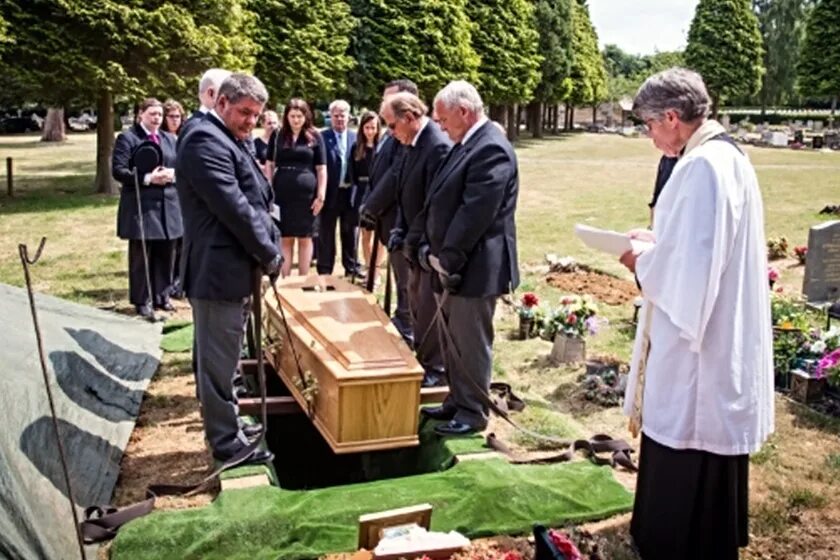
82	122
14	125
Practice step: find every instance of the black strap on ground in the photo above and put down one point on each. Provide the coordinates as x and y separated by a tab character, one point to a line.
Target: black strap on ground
370	281
103	521
594	449
23	251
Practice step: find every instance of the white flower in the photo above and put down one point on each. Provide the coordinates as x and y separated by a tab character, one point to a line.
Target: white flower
818	347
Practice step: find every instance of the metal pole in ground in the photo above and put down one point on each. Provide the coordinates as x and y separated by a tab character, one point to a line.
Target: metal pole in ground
10	182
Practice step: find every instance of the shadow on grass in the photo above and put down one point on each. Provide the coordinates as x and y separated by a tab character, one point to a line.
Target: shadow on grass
807	417
528	142
104	296
81	167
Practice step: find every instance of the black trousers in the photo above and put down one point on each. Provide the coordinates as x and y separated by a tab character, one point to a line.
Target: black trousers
161	255
348	221
690	504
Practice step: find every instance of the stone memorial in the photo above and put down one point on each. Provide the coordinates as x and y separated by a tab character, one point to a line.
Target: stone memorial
725	121
822	268
817	142
818	126
779	139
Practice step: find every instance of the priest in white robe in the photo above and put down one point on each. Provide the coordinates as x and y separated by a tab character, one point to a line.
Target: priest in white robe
701	380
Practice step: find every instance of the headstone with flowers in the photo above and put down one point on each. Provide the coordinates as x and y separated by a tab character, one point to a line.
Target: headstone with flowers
822	267
568	325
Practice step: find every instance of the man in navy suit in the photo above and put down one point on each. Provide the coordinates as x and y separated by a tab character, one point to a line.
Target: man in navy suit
468	224
208	88
340	207
425	147
379	210
229	241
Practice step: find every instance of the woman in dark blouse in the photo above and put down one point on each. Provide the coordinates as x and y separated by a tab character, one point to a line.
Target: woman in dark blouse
269	125
363	152
297	165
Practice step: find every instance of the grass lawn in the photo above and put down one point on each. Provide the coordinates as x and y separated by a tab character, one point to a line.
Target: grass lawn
601	180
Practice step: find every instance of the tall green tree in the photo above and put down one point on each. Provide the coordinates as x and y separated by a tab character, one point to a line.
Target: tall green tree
589	75
506	41
77	51
303	47
820	57
427	41
553	24
724	46
782	26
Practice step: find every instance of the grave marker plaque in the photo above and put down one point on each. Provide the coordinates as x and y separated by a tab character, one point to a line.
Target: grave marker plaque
822	267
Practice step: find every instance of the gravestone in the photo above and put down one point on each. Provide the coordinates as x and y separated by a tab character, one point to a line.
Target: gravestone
809	125
822	267
778	139
818	142
818	126
725	121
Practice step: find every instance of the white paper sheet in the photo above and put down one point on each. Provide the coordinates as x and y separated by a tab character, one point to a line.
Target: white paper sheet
611	242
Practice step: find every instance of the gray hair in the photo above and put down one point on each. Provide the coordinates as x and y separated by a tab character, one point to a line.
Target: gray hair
213	78
677	89
239	86
339	105
461	94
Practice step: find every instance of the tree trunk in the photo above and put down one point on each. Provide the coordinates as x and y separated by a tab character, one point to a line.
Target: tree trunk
833	108
535	118
54	126
104	143
595	114
715	105
497	113
512	121
556	116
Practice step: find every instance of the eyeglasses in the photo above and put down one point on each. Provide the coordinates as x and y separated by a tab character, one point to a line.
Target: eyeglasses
174	116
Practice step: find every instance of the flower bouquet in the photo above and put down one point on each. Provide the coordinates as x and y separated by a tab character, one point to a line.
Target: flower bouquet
777	248
567	325
801	252
528	310
772	276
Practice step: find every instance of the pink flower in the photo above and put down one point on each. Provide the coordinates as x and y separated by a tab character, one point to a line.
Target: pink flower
564	545
827	362
571	319
772	274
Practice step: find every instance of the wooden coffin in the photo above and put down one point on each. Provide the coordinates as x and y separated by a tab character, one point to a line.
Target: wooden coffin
367	378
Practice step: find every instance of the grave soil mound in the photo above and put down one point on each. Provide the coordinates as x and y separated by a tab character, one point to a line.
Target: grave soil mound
603	287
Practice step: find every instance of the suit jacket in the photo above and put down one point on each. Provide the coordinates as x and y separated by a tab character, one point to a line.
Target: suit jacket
418	166
226	201
332	201
194	119
381	200
468	219
158	204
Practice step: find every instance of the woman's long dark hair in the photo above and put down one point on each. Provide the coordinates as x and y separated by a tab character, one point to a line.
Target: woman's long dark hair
308	128
361	141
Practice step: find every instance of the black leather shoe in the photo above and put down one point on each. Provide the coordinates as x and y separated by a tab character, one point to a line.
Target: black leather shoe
258	457
166	306
144	311
252	430
438	412
455	428
434	379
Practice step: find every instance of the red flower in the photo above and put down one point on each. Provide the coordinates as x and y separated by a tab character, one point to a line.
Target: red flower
564	545
571	319
800	250
530	300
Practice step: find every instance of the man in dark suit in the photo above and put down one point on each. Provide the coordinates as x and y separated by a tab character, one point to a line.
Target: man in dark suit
208	88
468	225
159	210
230	240
339	205
425	147
379	210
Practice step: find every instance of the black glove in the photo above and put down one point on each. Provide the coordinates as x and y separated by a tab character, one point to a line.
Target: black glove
396	240
272	269
423	257
367	220
450	282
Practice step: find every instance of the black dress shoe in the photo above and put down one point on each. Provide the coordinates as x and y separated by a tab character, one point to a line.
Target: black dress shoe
434	379
144	311
252	430
166	306
455	428
258	457
438	412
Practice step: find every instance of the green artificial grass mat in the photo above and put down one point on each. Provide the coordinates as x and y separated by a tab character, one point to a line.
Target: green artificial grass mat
177	336
477	498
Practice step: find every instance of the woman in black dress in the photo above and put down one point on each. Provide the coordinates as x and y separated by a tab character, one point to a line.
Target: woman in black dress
270	120
297	164
363	152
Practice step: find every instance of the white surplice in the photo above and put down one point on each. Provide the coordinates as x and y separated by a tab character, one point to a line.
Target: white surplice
709	374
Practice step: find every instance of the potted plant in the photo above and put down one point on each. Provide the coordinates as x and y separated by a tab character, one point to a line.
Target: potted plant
567	326
527	309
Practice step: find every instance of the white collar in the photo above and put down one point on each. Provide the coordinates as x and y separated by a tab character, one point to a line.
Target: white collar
474	128
205	110
146	130
424	122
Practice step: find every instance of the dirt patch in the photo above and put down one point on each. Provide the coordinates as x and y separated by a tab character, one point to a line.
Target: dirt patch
603	287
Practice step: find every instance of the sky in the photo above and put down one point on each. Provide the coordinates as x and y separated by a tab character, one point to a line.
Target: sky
642	26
